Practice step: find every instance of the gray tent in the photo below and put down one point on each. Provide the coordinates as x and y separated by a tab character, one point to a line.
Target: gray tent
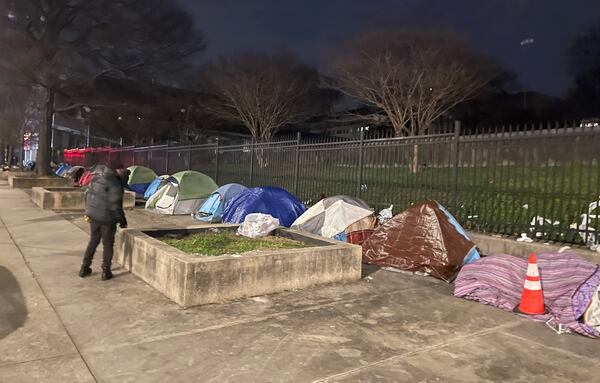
332	215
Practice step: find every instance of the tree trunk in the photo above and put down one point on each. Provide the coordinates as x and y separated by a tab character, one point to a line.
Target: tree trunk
261	158
44	154
414	163
261	154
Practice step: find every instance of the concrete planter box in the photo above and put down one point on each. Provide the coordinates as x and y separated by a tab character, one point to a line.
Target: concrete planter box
192	280
69	198
27	182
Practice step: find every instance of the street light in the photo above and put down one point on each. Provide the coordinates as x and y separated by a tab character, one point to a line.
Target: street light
525	43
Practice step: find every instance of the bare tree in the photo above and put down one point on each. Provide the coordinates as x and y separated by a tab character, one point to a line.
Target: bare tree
18	115
584	67
414	77
262	92
62	46
12	119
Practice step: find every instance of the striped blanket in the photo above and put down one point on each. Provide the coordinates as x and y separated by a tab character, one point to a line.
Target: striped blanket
568	281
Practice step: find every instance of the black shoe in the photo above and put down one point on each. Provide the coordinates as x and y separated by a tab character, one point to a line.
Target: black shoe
106	275
85	271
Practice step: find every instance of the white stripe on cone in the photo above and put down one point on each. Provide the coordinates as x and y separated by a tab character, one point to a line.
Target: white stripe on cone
532	270
533	285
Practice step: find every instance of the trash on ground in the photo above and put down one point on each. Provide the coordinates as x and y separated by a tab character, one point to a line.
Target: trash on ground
257	225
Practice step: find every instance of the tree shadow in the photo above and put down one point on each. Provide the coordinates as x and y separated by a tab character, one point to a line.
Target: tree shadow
13	311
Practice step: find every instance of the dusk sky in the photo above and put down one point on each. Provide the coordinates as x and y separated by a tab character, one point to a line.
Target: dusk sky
311	29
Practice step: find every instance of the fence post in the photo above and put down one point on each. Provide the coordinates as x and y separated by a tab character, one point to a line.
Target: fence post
217	162
149	156
252	163
167	159
109	153
297	164
455	157
189	157
360	162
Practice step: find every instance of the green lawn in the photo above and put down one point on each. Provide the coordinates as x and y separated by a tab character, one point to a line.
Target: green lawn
498	199
227	242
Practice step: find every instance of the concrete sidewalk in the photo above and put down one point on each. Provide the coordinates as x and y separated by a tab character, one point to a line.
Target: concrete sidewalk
34	344
388	327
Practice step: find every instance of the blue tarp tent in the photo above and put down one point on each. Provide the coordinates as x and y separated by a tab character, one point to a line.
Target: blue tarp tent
62	169
268	200
155	186
473	255
212	209
140	177
29	165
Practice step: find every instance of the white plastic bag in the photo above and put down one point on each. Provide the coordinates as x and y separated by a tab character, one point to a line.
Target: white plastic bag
257	225
524	238
385	215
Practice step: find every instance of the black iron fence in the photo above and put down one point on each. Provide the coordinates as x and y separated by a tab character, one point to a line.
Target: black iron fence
542	180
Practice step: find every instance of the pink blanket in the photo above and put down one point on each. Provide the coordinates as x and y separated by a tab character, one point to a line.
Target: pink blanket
568	281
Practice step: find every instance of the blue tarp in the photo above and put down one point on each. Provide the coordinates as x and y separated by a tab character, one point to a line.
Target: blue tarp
212	209
29	165
473	255
140	189
154	186
268	200
62	169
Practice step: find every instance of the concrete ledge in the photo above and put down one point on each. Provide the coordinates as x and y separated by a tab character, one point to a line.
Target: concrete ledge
5	174
69	198
27	182
191	280
491	244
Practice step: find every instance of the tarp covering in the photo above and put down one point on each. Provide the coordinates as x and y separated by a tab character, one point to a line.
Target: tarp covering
89	174
140	177
274	201
62	169
86	178
332	215
73	171
212	209
155	186
568	281
421	239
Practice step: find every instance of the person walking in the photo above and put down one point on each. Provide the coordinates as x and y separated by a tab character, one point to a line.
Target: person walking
104	209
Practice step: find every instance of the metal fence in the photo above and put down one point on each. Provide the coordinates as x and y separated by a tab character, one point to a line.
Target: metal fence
543	180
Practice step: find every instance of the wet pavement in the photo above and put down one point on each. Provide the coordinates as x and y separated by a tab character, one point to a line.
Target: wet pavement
388	327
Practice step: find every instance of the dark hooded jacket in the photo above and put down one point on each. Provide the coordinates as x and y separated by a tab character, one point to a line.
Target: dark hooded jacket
104	198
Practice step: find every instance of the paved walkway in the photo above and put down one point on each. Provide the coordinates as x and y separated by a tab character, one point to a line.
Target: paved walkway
389	327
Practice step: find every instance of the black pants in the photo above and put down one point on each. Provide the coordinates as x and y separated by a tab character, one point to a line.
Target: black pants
106	233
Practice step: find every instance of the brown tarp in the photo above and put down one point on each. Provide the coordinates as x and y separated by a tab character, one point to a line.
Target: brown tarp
419	239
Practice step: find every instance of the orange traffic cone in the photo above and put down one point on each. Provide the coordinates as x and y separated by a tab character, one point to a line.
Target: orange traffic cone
532	299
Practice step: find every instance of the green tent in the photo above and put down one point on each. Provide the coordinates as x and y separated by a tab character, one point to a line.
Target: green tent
184	194
141	175
194	185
